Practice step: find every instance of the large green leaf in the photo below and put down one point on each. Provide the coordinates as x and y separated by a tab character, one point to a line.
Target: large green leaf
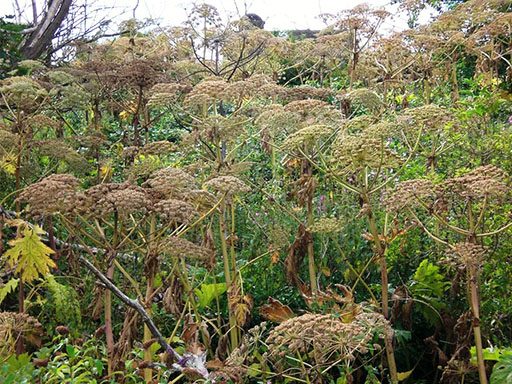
208	292
502	371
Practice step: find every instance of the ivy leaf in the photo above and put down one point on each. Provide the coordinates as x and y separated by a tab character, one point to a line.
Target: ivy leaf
30	254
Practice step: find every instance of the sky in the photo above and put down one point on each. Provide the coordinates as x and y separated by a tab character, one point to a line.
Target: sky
278	14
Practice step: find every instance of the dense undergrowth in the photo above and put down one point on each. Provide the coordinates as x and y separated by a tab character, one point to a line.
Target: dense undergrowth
215	202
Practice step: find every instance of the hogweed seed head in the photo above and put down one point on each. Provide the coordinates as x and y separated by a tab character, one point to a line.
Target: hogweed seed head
179	247
55	193
178	211
230	185
407	193
467	254
327	225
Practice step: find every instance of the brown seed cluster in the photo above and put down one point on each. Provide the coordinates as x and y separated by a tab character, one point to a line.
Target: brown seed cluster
407	193
14	325
484	181
55	193
179	247
171	182
230	185
122	198
467	254
176	211
325	337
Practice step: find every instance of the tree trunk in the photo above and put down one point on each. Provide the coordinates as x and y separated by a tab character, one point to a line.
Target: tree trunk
40	39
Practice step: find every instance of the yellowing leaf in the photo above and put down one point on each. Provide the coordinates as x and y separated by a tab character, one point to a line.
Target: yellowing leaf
7	163
15	222
30	255
404	375
8	288
106	171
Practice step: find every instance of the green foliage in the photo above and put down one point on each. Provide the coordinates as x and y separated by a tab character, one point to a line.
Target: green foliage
10	41
63	302
502	370
428	287
17	370
208	292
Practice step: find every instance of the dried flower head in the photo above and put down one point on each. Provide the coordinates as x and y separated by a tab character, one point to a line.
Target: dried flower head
383	130
14	325
277	120
222	128
8	140
214	89
176	211
407	193
467	254
484	181
164	94
363	98
178	247
55	193
306	138
122	198
171	182
307	92
361	150
59	150
230	185
142	166
32	66
325	337
428	117
22	92
158	148
202	200
327	225
359	123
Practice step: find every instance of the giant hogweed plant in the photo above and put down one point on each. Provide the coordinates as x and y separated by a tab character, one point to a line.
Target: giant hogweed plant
460	209
115	222
364	157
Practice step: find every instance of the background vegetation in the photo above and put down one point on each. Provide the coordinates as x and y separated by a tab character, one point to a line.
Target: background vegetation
215	202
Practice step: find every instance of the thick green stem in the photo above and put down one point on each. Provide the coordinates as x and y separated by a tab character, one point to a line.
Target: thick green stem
227	270
390	354
148	373
476	329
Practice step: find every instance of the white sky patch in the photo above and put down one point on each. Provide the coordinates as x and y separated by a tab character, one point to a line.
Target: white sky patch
277	14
